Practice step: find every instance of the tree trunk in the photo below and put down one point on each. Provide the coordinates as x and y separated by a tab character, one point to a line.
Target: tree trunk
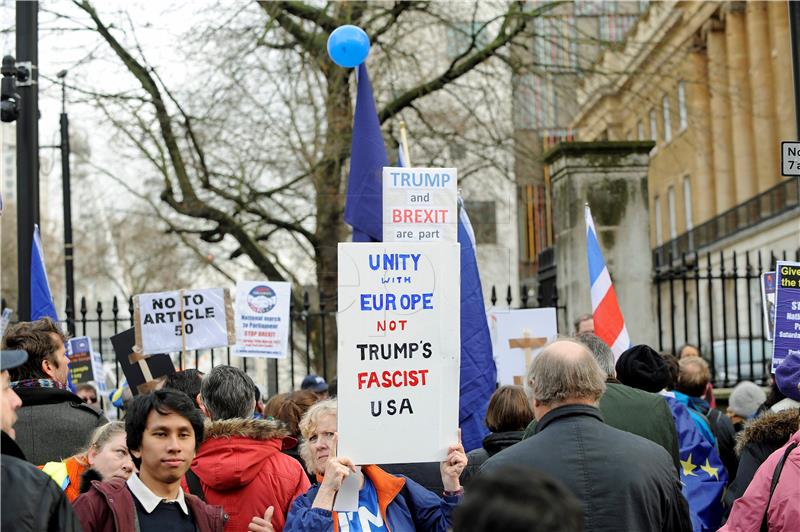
331	229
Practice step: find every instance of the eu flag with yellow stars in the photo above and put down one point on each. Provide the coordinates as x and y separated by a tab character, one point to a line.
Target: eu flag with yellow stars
702	475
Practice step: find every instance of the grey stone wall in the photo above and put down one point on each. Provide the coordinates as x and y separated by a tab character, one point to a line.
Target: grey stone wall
612	178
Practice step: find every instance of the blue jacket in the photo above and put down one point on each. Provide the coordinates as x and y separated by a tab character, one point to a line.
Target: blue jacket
425	511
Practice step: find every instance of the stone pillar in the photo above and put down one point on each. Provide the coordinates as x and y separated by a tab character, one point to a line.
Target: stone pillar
762	97
782	86
724	190
699	103
612	178
744	165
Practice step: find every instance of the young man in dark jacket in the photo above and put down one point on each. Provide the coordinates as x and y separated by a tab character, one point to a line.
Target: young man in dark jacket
31	501
624	482
164	429
53	423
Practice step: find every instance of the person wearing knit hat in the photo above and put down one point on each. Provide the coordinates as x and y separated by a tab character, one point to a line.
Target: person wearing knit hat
642	367
787	378
744	402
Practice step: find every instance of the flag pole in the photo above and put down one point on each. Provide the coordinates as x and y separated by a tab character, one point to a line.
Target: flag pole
404	139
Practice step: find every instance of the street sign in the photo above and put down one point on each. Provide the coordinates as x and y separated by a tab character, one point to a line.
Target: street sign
790	158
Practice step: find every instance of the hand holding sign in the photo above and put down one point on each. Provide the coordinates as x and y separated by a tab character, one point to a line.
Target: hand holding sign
452	467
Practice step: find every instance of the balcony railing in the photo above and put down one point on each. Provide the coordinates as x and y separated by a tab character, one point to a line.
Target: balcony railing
782	198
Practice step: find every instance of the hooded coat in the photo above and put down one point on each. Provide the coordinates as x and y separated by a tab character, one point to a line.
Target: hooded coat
241	468
759	439
783	514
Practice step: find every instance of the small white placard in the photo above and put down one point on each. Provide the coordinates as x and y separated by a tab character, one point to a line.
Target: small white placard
262	319
420	204
521	334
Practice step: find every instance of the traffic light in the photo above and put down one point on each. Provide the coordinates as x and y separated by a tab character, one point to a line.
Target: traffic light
10	104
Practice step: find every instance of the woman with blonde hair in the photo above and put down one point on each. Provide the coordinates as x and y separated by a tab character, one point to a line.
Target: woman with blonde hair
389	501
105	457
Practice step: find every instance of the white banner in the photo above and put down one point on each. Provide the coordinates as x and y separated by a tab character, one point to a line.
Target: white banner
399	351
420	205
521	334
168	322
262	319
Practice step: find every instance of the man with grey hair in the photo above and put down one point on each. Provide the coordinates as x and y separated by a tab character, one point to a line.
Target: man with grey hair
636	411
624	482
240	465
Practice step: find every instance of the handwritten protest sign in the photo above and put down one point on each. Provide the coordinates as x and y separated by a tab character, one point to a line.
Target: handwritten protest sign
262	319
787	312
182	320
399	351
520	336
99	373
420	205
81	367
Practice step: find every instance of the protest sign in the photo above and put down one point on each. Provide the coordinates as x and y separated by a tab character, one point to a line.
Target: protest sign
399	351
521	334
787	312
99	373
420	205
81	367
167	322
139	369
262	319
768	303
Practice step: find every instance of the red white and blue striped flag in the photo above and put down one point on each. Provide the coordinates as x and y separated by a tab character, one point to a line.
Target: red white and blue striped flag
609	325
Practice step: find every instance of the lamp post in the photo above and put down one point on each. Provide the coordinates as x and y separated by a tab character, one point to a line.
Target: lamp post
65	187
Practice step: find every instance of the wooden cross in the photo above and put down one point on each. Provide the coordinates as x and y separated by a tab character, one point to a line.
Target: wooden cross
527	343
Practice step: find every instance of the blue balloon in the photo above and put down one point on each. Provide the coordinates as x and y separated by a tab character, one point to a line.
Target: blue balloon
348	46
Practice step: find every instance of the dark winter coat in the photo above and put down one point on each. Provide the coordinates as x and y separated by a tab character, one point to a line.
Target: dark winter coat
241	468
53	424
31	501
493	443
624	482
759	439
109	507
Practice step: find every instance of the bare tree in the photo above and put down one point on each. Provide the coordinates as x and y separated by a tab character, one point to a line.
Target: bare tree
256	154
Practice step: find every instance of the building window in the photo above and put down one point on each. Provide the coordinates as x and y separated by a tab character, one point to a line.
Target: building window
673	222
483	218
667	122
653	126
659	232
683	116
687	202
640	130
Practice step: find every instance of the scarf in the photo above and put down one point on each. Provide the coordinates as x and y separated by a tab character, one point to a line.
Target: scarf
39	383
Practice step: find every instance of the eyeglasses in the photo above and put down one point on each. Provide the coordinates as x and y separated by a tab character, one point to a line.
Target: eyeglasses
90	399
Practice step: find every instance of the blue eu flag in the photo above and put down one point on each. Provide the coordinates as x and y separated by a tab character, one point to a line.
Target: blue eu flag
364	212
702	475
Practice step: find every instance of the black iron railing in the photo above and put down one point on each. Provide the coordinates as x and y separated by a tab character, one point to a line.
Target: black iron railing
714	301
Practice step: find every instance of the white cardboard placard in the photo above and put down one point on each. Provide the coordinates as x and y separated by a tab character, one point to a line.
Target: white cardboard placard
399	351
420	204
521	335
169	322
262	319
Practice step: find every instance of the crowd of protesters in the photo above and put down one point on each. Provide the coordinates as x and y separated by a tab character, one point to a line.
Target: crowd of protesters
591	442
